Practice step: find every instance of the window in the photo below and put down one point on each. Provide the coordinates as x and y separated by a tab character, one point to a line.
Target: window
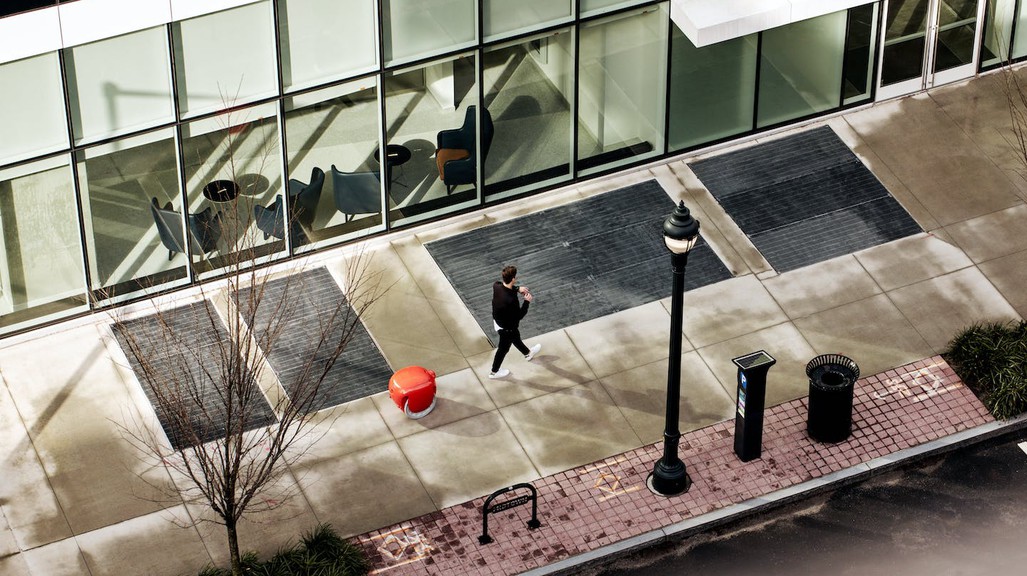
621	88
420	104
41	270
530	90
225	59
32	106
325	39
332	135
122	184
119	84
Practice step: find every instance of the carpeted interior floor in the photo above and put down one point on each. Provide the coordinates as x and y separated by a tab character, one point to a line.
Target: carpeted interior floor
581	261
804	199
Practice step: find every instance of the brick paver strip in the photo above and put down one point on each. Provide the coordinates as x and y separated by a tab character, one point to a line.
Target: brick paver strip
607	501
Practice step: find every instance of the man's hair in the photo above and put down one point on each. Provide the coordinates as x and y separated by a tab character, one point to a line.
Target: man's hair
509	273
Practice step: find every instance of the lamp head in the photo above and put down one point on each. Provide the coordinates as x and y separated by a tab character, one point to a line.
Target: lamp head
680	230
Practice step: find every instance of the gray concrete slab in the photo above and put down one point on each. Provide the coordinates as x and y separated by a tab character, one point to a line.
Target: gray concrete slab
993	235
939	307
641	395
934	159
569	428
465	459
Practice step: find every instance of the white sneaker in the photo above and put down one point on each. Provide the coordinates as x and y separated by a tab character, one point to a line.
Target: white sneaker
532	352
502	373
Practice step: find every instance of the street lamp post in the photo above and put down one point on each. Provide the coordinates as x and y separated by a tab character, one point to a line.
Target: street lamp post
680	233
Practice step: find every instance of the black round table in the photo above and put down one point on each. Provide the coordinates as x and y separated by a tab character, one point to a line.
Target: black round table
221	191
395	155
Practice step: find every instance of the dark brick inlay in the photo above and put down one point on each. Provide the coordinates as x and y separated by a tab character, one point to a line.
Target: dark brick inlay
360	371
183	352
588	259
804	199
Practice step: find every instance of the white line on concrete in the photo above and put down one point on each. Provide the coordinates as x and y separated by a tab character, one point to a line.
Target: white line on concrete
1023	446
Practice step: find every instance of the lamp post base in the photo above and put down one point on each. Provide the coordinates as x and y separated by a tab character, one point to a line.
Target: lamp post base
668	480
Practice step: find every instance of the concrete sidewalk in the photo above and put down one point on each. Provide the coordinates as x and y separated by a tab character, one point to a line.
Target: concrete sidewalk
75	498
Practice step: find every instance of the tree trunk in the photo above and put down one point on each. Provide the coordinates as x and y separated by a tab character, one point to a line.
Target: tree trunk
233	547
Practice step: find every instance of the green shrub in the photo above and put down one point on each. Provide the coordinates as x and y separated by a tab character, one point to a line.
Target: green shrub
991	358
321	552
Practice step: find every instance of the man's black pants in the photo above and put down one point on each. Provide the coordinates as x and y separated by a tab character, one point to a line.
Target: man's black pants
506	339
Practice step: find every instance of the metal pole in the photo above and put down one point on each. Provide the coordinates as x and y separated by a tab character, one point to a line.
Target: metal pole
669	475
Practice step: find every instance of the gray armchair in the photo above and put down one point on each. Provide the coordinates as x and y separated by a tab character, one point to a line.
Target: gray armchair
356	192
304	199
204	229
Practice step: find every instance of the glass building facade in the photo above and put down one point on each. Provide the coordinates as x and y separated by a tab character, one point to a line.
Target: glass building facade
141	162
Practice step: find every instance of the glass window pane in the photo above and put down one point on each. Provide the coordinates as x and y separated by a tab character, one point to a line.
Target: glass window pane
905	33
860	41
232	167
503	17
530	88
335	128
419	28
957	34
620	102
120	84
428	107
32	106
712	89
999	16
592	7
1020	41
325	39
801	69
41	271
122	184
225	58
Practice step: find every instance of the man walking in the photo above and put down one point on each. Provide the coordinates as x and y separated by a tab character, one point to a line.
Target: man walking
507	311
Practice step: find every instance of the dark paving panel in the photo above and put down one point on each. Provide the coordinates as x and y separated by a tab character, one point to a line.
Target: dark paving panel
588	259
835	234
310	299
804	199
181	358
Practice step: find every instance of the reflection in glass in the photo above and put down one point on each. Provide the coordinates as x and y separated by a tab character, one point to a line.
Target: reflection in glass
32	106
998	28
1020	41
334	127
957	29
41	270
506	18
425	106
419	28
224	59
325	39
712	89
621	101
905	29
119	84
120	182
860	40
232	165
801	68
592	7
529	87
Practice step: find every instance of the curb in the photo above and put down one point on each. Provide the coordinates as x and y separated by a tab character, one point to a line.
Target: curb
779	498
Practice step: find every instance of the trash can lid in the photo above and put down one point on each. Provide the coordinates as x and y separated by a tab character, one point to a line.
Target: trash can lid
833	363
412	377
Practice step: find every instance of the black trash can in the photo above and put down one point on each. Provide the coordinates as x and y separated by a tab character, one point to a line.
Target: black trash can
832	378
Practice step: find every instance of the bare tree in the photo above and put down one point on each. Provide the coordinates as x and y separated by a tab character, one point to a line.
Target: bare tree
230	427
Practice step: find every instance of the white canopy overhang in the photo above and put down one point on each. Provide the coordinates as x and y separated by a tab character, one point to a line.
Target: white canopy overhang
707	22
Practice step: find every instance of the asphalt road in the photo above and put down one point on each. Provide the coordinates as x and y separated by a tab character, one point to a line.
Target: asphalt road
963	514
